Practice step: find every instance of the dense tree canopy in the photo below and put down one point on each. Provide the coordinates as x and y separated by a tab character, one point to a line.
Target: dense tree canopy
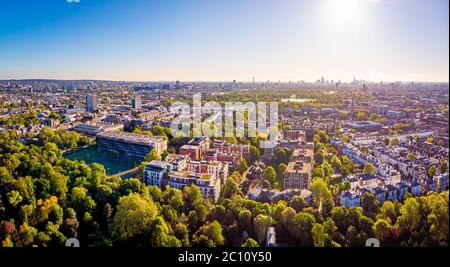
46	199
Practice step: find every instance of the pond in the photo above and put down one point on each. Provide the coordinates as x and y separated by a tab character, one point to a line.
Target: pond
90	155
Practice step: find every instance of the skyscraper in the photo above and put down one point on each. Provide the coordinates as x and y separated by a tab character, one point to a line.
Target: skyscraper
91	102
136	103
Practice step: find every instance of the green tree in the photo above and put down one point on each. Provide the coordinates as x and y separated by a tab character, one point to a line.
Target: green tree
369	204
280	172
365	225
80	200
336	162
301	228
298	203
269	175
319	172
410	215
344	115
282	155
369	168
393	142
160	234
229	189
231	140
242	166
245	220
261	224
318	157
25	235
444	166
250	243
318	235
203	241
362	116
213	232
438	219
152	155
181	232
411	156
388	212
373	117
5	177
381	229
55	214
345	139
320	192
431	171
14	198
254	154
329	227
134	216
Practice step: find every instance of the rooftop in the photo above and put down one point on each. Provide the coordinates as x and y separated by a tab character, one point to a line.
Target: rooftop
198	140
191	175
361	124
131	137
158	163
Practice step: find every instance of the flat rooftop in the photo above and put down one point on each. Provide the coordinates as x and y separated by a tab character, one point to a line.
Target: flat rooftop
158	164
191	175
302	161
361	124
131	137
298	167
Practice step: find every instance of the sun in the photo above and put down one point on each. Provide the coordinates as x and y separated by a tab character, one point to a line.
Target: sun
344	10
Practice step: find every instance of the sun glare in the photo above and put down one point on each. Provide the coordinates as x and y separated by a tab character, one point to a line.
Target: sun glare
344	10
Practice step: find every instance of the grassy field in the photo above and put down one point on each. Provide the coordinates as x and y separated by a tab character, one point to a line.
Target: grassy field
91	155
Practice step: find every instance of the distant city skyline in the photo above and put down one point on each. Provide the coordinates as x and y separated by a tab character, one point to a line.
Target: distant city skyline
359	81
285	40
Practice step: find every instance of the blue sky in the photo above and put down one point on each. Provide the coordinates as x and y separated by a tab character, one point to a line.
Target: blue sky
222	40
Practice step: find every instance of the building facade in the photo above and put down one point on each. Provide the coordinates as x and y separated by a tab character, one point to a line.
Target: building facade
208	184
155	171
298	173
132	145
136	103
218	168
91	102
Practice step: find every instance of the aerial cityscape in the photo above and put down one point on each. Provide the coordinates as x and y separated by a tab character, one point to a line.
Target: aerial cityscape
326	147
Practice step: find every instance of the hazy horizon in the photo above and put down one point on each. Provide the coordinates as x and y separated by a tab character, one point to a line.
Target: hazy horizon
212	81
